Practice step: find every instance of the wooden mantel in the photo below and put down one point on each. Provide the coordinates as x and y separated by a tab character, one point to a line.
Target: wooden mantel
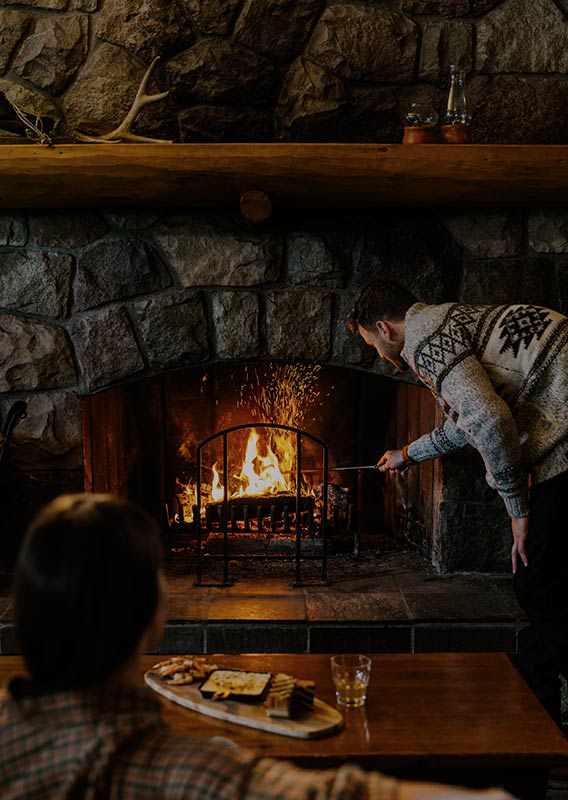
300	175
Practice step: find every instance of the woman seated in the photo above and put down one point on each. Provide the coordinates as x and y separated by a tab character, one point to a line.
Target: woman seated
90	600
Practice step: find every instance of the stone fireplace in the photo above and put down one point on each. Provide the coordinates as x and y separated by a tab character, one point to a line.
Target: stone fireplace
94	300
105	310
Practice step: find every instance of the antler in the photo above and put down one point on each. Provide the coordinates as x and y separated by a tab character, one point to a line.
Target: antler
122	132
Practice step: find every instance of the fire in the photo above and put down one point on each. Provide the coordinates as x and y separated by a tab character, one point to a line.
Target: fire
281	392
260	474
217	491
268	479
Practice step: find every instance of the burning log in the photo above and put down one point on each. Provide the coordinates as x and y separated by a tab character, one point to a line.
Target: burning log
263	513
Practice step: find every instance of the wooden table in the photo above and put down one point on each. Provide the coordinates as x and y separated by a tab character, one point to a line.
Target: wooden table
458	717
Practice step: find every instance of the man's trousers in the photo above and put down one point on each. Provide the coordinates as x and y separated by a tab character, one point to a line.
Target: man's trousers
542	592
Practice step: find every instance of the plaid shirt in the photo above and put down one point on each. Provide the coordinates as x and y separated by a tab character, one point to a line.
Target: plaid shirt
111	743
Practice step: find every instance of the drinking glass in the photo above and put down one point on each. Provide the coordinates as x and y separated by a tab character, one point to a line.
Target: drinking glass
351	675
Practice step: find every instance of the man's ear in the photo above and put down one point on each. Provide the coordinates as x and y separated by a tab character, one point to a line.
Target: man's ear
384	326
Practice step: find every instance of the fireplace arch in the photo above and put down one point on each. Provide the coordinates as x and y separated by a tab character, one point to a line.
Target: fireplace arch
141	438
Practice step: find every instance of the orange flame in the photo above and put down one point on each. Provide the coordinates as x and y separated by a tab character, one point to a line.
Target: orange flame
260	474
217	491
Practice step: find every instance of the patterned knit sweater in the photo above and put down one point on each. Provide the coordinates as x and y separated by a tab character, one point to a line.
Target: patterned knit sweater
501	376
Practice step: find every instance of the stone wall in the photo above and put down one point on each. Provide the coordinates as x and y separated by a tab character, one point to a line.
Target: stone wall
287	70
92	299
89	300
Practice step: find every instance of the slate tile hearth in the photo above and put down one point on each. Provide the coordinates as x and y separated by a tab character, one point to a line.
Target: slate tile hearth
389	603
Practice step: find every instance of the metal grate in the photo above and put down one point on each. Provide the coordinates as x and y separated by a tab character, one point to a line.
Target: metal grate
293	514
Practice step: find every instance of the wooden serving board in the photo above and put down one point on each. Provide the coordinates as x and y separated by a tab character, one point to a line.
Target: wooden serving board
321	721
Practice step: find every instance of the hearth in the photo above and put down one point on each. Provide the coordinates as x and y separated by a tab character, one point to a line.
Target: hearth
234	459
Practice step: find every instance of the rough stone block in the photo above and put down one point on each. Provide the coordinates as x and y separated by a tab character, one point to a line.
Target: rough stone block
563	287
220	71
87	5
445	43
14	25
519	281
311	261
224	124
67	229
212	16
52	5
213	251
33	355
105	347
173	329
487	234
298	324
36	282
138	220
513	110
548	230
312	105
472	537
115	270
374	114
235	320
103	92
524	36
147	28
31	103
276	28
412	248
346	40
480	7
349	348
13	230
450	8
462	478
53	53
51	436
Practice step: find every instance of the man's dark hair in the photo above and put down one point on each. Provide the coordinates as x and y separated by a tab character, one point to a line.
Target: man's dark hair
380	300
86	588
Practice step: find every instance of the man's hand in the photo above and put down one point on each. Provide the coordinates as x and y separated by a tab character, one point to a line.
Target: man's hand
392	461
520	529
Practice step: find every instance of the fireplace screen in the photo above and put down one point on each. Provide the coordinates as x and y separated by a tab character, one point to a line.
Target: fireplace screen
261	491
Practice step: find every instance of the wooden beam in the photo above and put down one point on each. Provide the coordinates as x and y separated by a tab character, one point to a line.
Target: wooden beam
305	175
